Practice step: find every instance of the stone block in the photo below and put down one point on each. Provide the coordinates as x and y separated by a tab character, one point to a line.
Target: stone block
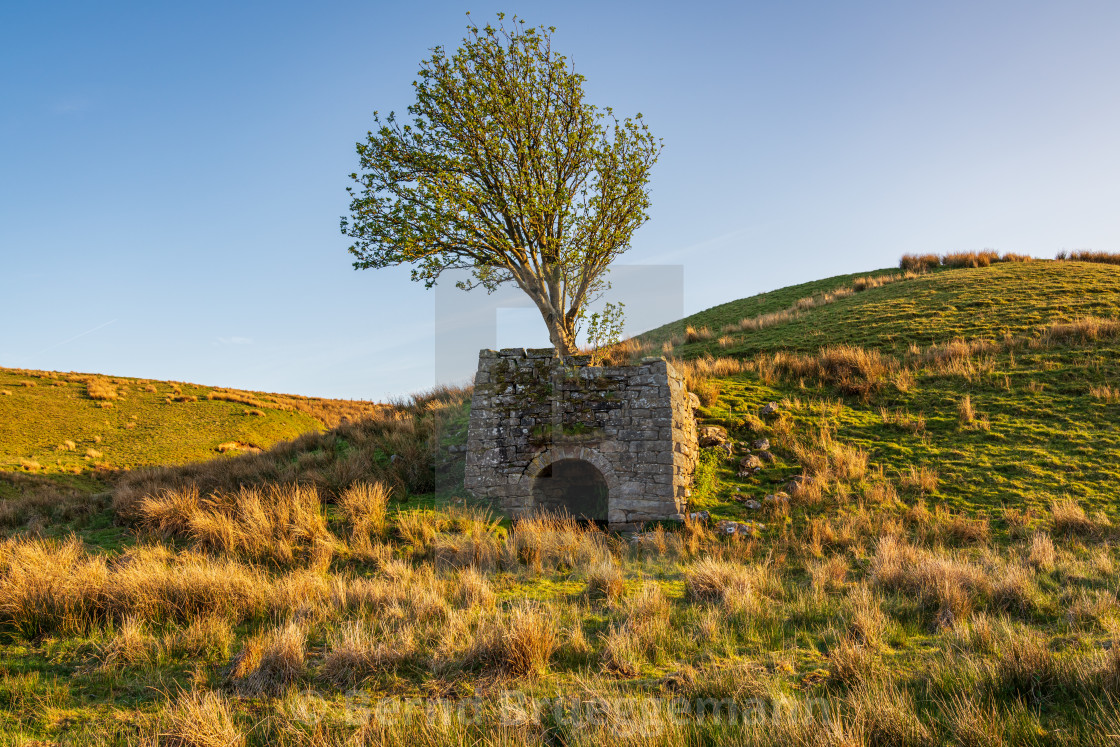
632	424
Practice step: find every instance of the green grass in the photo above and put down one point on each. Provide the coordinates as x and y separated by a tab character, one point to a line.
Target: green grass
1047	436
1010	298
763	303
139	429
970	614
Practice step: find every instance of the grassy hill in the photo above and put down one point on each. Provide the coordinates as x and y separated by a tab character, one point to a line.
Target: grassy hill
74	428
931	559
973	374
1016	298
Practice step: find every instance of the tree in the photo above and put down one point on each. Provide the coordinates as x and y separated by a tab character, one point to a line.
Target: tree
504	171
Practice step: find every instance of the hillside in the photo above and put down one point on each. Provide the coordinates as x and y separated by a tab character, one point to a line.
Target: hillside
930	557
73	428
972	374
1015	298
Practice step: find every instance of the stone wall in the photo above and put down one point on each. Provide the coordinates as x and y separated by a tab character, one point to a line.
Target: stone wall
635	424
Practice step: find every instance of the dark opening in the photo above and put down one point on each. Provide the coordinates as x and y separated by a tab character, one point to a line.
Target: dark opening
572	486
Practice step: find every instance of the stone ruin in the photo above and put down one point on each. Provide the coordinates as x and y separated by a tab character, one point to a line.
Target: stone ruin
611	444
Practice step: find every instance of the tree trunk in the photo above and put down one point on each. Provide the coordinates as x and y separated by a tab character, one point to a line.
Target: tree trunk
563	339
561	332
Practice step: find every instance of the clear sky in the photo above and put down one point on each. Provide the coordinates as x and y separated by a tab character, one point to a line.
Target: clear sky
172	174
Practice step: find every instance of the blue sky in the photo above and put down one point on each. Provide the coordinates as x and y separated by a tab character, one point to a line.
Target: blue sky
172	175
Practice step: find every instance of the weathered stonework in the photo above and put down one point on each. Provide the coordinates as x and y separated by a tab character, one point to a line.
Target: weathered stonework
634	424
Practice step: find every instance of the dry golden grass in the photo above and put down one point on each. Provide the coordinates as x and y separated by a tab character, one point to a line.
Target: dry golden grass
49	586
736	586
691	334
519	643
849	532
1026	665
828	575
159	585
1107	393
921	479
37	500
866	620
357	651
365	507
969	359
985	258
966	415
1086	329
640	636
198	719
1013	589
875	281
919	262
605	581
205	638
970	259
270	663
480	548
869	281
903	419
957	528
100	388
621	652
242	398
1069	517
130	645
418	529
763	321
826	460
699	373
821	299
472	589
851	369
944	584
851	662
1110	258
413	619
622	353
334	413
550	542
400	591
280	523
1041	554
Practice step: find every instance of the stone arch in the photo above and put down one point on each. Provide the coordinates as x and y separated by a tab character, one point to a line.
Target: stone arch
561	453
575	487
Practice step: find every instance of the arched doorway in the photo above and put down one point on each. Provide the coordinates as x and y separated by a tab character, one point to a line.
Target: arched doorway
572	486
